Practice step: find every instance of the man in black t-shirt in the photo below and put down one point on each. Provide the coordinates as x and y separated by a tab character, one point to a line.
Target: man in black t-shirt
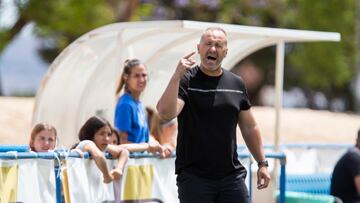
210	102
345	181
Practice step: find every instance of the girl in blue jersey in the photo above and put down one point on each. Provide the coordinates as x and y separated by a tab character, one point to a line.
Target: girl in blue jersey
130	117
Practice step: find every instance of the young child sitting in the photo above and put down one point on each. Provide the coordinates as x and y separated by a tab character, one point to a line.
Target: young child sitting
42	138
94	138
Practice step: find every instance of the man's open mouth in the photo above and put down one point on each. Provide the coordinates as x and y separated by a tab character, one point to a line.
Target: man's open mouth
212	58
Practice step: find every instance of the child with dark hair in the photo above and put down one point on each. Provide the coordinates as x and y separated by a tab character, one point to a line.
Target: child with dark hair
115	137
94	138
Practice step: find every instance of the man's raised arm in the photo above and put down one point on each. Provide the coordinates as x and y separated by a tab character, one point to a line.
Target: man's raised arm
169	105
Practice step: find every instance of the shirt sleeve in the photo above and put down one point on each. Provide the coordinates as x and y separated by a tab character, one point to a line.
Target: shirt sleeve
245	103
123	119
82	144
354	164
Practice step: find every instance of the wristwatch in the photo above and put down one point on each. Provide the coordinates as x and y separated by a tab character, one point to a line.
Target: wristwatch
263	163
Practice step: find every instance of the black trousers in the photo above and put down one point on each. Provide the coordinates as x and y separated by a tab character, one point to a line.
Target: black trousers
231	189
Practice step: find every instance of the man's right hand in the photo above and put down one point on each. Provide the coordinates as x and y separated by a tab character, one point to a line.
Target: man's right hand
169	105
184	64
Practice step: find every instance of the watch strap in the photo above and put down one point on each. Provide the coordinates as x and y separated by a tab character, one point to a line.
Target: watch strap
263	163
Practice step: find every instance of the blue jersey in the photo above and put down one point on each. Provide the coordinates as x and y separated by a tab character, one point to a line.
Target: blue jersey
130	117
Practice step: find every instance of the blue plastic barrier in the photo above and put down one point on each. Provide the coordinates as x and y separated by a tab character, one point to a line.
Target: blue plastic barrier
17	148
309	183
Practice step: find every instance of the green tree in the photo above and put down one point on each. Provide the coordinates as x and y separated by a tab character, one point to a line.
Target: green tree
325	66
59	22
328	67
62	21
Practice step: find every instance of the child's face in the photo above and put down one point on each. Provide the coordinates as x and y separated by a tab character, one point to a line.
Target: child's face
44	141
113	139
102	137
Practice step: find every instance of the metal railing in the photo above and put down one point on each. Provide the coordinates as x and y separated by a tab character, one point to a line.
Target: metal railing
19	152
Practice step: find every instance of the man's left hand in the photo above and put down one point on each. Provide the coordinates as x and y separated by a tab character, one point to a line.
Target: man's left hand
263	178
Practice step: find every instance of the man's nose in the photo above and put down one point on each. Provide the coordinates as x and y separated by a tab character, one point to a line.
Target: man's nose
212	48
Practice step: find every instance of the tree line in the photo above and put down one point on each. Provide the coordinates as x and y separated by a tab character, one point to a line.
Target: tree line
326	67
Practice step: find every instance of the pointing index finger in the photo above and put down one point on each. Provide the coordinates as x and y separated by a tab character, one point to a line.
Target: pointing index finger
187	56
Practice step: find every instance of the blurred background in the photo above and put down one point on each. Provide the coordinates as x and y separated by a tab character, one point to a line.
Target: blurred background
322	75
318	75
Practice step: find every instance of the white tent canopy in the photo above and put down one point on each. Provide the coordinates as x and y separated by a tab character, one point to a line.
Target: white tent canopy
81	81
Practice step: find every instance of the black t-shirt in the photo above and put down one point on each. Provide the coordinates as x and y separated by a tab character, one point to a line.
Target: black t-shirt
342	181
206	143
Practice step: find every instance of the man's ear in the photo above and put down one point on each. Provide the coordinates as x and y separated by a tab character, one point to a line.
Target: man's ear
198	48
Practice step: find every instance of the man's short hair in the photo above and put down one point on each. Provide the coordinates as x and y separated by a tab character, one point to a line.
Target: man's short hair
212	29
215	28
